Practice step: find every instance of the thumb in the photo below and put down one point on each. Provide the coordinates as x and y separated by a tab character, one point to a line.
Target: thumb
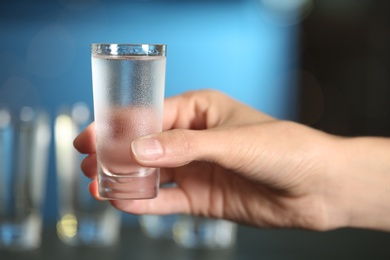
179	147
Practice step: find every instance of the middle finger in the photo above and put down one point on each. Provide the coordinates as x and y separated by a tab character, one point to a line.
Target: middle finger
89	166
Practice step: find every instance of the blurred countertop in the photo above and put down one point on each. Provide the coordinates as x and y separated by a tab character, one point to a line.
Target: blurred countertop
252	243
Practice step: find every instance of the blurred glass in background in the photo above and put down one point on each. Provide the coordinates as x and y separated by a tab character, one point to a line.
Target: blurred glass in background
24	150
83	221
190	232
158	226
197	232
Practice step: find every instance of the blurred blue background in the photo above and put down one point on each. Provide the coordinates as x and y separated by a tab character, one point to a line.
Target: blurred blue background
322	63
242	47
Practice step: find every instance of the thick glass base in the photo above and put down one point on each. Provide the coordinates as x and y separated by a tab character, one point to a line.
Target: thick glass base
131	186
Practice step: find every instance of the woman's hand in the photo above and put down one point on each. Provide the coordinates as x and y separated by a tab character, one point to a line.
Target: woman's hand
231	161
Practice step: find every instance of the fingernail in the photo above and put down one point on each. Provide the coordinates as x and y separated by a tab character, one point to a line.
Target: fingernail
147	149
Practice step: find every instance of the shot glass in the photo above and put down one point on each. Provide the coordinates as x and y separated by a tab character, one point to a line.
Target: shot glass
24	150
82	220
128	95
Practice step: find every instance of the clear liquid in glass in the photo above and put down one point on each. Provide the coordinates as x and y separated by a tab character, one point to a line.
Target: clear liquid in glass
128	102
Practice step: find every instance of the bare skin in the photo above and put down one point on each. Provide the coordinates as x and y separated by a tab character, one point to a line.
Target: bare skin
233	162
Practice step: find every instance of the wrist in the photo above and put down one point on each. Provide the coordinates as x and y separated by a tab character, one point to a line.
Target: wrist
363	172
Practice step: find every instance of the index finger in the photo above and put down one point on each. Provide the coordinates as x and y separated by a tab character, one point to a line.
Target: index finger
189	110
204	109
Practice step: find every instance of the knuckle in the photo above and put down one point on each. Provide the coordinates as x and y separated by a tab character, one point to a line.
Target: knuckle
181	143
182	139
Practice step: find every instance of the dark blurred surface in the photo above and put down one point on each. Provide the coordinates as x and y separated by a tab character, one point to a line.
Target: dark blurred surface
345	71
251	244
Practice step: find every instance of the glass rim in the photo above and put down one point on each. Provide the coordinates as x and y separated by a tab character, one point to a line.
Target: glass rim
128	49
